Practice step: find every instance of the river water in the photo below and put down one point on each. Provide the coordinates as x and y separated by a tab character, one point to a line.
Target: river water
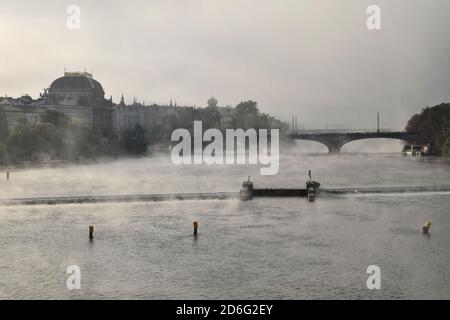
261	249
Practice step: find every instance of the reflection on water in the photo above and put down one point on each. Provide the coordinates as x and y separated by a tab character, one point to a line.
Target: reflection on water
265	248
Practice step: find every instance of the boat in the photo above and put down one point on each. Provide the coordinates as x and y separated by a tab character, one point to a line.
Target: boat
426	151
412	150
417	150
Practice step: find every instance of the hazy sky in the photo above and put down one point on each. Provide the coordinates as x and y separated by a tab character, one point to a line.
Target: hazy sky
313	58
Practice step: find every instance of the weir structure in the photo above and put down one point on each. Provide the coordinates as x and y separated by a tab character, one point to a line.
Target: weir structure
269	192
335	140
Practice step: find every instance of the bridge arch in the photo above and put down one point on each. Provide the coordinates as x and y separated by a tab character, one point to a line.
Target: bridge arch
373	145
311	146
335	141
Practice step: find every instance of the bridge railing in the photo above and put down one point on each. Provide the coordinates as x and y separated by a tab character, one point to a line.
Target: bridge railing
318	131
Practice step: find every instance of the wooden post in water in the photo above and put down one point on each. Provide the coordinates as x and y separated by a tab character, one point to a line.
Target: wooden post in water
7	175
91	233
426	227
378	122
195	227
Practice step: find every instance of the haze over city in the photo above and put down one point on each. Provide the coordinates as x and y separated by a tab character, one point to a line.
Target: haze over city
316	59
224	155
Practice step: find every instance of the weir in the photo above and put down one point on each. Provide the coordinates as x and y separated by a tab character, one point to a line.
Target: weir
248	192
385	190
269	192
120	198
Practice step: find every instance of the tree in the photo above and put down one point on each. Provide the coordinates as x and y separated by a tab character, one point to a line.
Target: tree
431	126
445	150
4	156
248	108
210	117
187	117
55	137
26	99
246	115
27	141
4	131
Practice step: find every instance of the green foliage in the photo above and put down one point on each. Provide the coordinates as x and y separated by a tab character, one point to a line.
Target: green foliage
210	117
445	150
432	125
56	137
4	132
246	115
26	141
52	138
187	117
4	156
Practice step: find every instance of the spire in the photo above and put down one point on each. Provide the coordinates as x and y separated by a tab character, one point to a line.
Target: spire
122	102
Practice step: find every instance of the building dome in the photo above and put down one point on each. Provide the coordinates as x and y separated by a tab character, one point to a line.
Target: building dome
73	85
212	102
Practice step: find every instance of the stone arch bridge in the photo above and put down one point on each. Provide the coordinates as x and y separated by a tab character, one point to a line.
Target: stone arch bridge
335	140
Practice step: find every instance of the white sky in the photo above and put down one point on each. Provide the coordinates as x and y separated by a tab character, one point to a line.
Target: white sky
313	58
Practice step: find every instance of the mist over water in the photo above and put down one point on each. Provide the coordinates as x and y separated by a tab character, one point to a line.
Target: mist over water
264	248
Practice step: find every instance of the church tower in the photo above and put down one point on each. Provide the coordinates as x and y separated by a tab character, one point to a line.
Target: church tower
212	102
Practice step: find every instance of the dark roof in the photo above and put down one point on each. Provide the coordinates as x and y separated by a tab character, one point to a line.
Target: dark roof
76	83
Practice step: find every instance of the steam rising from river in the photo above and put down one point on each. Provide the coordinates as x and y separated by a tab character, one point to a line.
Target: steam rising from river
157	174
265	248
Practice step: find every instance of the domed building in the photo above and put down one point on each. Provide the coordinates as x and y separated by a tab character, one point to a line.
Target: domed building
77	95
82	98
77	88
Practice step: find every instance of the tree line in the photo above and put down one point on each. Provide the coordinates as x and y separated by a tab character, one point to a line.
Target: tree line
53	137
56	137
245	115
433	127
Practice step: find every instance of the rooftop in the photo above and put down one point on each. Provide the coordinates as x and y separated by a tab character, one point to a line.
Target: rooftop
77	74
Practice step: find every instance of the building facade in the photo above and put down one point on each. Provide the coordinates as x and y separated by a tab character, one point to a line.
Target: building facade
126	117
81	99
77	95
